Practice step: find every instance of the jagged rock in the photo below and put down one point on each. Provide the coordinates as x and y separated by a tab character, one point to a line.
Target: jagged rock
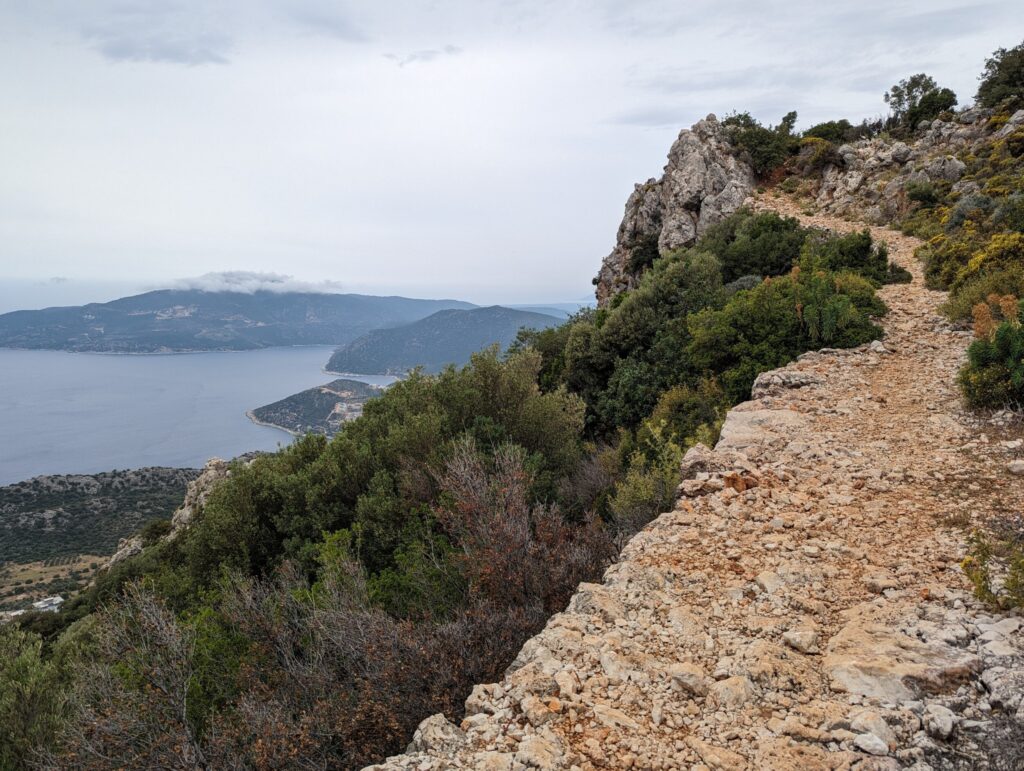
717	758
1016	121
803	640
703	183
689	678
868	721
594	599
871	744
1005	687
939	721
436	734
769	582
126	549
539	752
196	495
731	693
949	169
700	459
493	761
780	379
899	152
746	427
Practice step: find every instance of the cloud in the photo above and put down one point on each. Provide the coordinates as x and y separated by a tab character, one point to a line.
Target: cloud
654	116
327	20
249	282
424	55
160	33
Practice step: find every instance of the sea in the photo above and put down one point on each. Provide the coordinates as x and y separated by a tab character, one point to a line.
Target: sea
82	413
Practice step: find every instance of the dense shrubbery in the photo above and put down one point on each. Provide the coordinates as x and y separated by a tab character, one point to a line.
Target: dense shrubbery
331	595
766	148
1002	82
994	373
915	99
767	326
975	240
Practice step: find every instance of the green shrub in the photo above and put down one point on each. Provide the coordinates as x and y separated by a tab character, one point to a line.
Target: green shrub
768	326
995	561
1002	81
1008	281
754	244
994	374
765	148
855	252
649	485
31	697
835	131
814	154
923	193
1009	214
155	530
916	99
643	254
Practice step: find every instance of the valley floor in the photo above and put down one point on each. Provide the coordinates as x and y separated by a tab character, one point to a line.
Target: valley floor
803	606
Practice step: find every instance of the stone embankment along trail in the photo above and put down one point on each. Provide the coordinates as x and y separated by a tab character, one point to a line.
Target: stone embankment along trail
802	606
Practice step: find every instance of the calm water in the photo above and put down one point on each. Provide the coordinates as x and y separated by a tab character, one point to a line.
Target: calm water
64	413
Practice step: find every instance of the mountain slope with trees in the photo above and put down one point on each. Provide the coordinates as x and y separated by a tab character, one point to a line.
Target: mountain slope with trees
443	338
194	320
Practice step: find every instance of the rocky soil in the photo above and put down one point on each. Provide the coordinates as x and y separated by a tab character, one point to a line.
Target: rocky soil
802	607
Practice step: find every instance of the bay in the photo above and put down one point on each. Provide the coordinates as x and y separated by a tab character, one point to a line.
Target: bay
80	413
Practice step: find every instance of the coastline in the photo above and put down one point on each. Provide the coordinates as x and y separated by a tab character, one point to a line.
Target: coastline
175	352
258	422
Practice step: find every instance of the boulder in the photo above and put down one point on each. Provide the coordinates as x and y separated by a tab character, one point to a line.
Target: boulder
436	734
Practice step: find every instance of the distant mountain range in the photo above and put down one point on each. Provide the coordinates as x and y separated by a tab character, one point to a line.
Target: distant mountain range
194	320
446	337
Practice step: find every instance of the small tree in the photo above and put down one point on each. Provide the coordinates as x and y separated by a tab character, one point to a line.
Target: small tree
917	98
1003	78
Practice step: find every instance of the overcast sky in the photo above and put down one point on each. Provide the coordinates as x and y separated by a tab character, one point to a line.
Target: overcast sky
473	149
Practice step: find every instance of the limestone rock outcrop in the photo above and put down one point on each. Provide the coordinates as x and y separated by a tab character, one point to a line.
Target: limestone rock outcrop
702	183
197	493
871	179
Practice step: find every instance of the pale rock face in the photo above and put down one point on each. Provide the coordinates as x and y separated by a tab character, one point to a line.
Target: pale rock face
126	549
872	180
435	734
732	693
703	183
196	495
195	498
939	721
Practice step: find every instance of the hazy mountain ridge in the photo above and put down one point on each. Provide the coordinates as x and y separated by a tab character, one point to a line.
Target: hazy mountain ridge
171	320
446	337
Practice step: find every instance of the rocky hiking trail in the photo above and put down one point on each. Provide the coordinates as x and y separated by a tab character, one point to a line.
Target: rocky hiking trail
802	607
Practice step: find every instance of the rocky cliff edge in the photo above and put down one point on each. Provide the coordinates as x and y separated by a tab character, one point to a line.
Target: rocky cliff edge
703	182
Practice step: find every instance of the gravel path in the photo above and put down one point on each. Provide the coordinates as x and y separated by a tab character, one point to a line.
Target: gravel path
802	607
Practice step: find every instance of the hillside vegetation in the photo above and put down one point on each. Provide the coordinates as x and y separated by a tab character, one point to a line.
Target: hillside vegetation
331	595
443	338
320	410
61	516
194	320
